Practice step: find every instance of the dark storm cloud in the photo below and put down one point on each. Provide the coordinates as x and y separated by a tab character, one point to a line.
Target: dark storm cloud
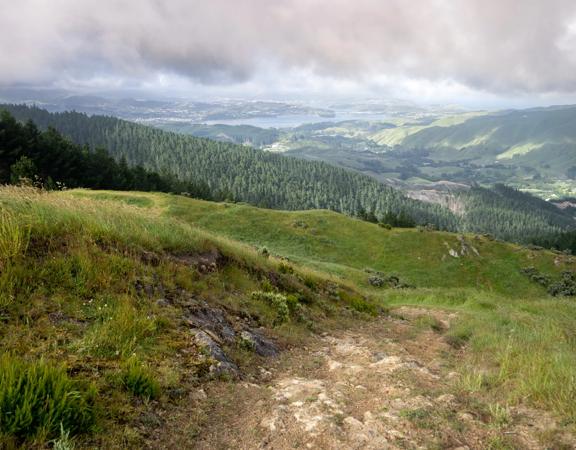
493	45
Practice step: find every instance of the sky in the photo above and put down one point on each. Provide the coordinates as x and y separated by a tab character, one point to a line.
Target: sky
469	52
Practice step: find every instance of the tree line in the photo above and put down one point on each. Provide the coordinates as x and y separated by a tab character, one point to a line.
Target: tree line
49	159
145	158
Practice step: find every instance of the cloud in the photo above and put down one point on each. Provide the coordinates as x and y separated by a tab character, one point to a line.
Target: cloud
498	46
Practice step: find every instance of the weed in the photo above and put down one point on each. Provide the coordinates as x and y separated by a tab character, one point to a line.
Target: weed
64	442
499	415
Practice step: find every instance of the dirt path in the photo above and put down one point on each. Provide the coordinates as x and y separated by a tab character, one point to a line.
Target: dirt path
389	385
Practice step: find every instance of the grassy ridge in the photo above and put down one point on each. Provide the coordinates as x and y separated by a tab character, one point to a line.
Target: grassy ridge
345	247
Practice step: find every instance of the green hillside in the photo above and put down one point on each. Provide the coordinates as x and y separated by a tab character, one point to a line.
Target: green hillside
346	247
236	172
126	307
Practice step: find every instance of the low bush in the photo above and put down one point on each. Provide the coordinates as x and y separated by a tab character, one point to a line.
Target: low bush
37	400
565	287
536	276
278	302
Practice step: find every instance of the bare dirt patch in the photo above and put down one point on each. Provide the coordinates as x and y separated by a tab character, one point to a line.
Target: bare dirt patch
379	386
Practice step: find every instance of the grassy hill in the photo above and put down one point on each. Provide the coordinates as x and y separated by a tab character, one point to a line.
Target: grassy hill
119	305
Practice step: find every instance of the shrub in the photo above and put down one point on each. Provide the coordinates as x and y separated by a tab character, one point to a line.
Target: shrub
137	379
358	303
37	400
565	287
278	302
285	268
376	281
537	276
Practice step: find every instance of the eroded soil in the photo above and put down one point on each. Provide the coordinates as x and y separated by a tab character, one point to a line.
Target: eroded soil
390	384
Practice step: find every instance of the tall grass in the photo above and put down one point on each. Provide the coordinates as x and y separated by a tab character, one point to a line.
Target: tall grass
118	332
14	237
37	399
521	350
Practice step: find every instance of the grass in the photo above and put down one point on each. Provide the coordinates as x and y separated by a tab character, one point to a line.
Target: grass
522	339
335	244
137	379
14	237
80	283
520	350
81	274
37	400
120	329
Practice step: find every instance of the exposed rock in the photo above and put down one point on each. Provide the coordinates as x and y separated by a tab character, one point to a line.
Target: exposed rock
213	319
466	417
162	302
446	399
144	288
206	262
260	344
222	365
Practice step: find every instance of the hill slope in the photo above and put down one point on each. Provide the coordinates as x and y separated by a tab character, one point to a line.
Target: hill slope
345	247
150	326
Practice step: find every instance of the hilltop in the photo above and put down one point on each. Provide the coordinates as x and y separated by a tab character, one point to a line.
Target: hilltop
160	312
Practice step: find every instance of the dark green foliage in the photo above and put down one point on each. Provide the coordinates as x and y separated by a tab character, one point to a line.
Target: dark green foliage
379	279
48	158
537	276
512	215
399	220
239	134
137	379
23	169
36	399
565	287
237	172
226	171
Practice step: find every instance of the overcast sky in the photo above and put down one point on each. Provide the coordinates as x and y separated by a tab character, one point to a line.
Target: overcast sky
461	51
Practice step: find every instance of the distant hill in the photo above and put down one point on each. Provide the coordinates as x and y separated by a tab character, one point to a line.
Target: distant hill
241	173
237	172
